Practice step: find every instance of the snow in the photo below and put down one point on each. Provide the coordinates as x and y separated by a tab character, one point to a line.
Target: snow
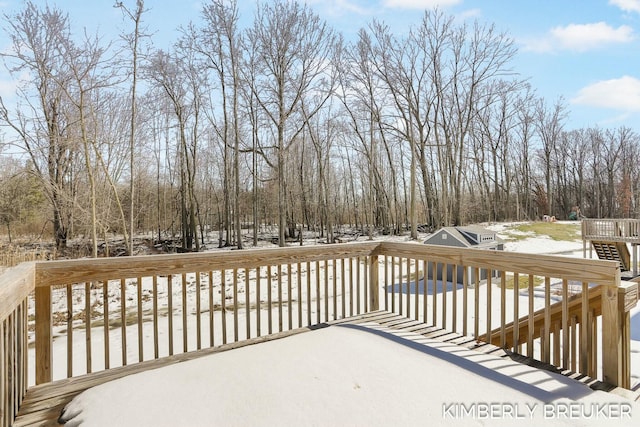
348	375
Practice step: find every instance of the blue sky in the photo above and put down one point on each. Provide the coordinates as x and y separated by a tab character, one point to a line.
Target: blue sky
585	51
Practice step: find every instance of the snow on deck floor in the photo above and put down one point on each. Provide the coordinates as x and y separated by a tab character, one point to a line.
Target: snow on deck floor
349	375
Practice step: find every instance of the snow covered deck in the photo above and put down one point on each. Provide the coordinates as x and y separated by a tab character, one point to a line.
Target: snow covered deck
89	318
450	356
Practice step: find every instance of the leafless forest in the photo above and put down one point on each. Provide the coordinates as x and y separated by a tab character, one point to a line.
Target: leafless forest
282	124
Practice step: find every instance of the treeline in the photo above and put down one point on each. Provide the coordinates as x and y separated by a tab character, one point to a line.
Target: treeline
284	123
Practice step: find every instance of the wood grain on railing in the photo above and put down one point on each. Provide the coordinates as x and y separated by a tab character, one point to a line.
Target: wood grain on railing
174	289
563	334
222	295
15	285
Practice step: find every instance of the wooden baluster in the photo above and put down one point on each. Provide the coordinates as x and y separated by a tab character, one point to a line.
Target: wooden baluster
476	307
212	310
374	284
544	342
247	303
69	331
106	329
489	304
386	283
326	290
235	305
258	301
25	346
198	312
546	357
556	343
584	330
183	289
308	266
270	312
566	345
140	321
289	297
434	293
574	325
425	288
407	261
123	320
503	308
87	324
530	318
400	285
334	265
593	329
465	299
280	314
445	286
454	299
300	296
393	284
416	289
351	273
223	308
360	265
318	291
170	312
156	346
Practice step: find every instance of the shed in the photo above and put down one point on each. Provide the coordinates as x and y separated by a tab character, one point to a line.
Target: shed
464	237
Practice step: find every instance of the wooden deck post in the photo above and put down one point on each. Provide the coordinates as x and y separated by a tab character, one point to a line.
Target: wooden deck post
374	285
43	335
617	301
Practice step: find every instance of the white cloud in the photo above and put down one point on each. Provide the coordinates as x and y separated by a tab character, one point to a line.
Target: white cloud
627	5
621	94
418	4
469	14
340	7
581	37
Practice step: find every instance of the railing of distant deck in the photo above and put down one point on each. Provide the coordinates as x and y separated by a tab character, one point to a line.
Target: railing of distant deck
625	230
165	304
618	230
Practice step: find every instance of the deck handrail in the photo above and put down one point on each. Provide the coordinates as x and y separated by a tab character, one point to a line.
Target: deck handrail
320	283
611	229
15	286
617	300
602	233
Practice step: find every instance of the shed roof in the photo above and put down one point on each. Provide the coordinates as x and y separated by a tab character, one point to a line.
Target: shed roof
462	235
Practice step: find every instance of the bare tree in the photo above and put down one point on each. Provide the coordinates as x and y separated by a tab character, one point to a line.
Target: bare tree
294	48
549	123
85	63
40	124
133	41
219	42
176	79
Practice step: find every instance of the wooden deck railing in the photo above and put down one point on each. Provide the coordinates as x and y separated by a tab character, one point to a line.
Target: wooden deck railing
615	230
12	257
109	312
620	231
15	286
477	281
